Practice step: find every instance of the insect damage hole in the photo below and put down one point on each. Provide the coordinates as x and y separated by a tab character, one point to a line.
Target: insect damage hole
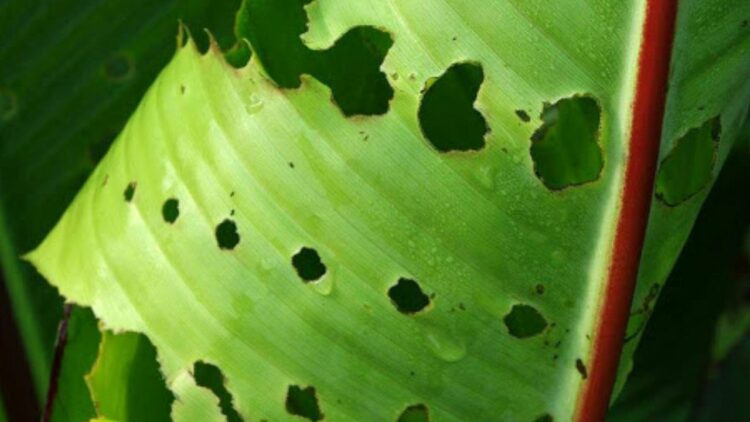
308	264
415	413
524	321
447	115
523	115
129	192
545	418
688	167
408	296
226	235
209	376
170	210
303	402
351	67
566	148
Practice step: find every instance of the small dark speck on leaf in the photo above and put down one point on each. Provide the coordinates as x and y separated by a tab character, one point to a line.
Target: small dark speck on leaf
539	289
291	165
129	191
170	210
581	369
523	115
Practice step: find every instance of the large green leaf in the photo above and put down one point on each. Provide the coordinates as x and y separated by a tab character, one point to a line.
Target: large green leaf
347	267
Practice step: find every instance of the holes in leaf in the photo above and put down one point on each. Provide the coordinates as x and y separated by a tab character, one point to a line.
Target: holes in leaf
209	376
581	368
415	413
303	402
351	67
565	149
523	115
545	418
170	210
308	264
226	234
118	67
524	321
688	167
129	192
408	296
447	115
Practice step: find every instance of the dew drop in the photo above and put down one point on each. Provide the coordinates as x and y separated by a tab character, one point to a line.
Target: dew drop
445	346
486	176
254	104
324	286
266	264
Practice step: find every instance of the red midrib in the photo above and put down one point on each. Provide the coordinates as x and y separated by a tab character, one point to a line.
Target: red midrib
648	114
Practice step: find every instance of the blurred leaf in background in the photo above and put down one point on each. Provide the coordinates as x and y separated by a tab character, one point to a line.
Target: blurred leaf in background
697	340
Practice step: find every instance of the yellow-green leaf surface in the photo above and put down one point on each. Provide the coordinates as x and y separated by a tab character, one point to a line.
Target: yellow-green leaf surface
459	282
